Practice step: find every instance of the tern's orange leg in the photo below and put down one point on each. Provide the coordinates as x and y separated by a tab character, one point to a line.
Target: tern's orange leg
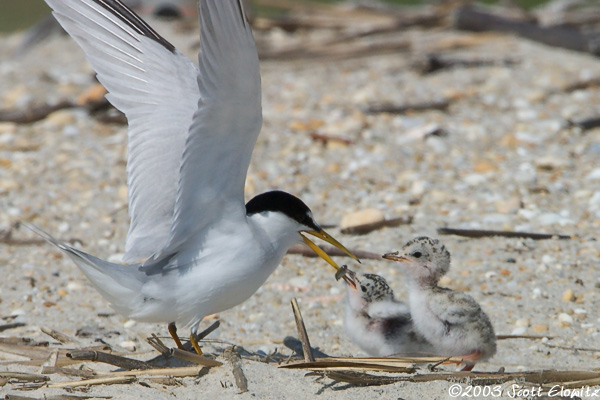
475	355
472	357
195	344
173	333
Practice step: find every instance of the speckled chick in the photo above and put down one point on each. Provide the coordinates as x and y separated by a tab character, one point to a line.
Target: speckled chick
378	323
451	320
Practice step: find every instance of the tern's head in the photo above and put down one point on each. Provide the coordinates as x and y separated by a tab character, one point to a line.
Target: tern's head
287	218
425	260
374	288
365	290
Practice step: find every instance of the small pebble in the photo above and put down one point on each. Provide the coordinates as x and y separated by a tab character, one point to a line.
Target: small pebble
362	217
568	295
128	345
565	319
537	328
519	331
522	322
129	323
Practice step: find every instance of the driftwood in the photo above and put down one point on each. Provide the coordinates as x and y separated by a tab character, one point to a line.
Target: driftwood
434	63
234	359
95	107
12	325
302	334
99	356
480	233
440	105
585	123
475	19
366	228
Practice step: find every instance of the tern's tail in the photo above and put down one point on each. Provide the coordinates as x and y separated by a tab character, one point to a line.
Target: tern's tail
119	284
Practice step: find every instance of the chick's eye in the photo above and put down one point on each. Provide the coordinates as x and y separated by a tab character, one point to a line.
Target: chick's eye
416	254
363	288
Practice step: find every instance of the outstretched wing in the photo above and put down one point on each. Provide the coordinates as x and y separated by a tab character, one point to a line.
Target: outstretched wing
225	127
156	87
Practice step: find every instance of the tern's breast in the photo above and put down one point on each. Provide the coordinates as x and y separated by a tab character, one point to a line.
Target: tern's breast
229	270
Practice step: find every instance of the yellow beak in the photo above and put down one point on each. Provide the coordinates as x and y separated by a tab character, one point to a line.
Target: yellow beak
329	239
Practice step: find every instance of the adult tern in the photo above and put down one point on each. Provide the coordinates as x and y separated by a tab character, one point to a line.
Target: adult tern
191	135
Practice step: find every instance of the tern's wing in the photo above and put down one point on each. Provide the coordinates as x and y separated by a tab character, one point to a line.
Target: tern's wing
225	127
455	307
388	309
155	86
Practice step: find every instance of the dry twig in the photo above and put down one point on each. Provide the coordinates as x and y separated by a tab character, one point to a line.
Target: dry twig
61	337
100	356
95	381
236	364
389	108
479	233
366	228
308	355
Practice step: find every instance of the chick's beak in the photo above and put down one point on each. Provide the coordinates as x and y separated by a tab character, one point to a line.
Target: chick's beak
395	257
347	275
321	234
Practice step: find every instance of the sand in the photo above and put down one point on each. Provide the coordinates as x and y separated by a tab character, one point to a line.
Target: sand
507	160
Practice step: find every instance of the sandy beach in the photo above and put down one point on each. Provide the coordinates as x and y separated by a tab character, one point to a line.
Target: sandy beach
501	156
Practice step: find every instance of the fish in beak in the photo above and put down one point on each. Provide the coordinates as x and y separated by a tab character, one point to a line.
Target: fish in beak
347	275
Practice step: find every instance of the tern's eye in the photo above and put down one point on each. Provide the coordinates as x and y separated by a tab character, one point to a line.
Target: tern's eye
363	288
416	254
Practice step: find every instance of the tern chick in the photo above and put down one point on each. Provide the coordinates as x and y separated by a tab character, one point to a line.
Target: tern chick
452	321
378	323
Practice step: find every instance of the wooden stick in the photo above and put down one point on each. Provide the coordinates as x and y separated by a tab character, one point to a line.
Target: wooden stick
158	344
332	251
17	397
95	381
13	325
235	361
479	233
82	373
404	108
24	376
474	19
176	372
195	358
531	337
61	337
208	330
366	228
308	355
586	124
33	113
100	356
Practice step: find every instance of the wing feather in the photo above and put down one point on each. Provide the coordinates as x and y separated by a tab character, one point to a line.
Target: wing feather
156	87
225	128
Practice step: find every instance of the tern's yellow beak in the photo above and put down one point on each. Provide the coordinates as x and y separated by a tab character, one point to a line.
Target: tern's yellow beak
329	239
394	257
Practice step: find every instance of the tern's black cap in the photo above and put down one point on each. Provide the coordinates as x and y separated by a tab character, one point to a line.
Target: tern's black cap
279	201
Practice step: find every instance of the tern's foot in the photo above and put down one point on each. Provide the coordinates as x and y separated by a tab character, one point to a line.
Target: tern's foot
195	344
173	333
